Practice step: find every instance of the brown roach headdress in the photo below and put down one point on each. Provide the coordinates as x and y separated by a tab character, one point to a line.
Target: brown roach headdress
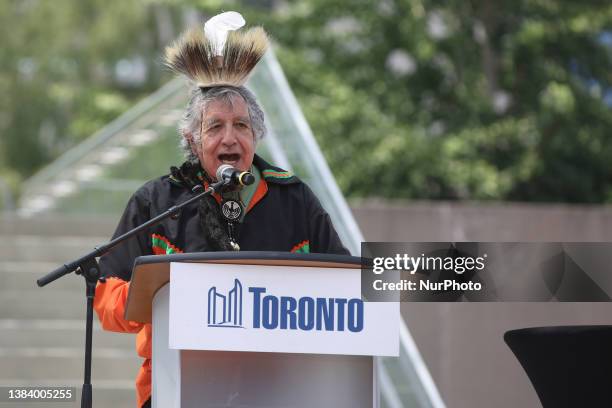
218	55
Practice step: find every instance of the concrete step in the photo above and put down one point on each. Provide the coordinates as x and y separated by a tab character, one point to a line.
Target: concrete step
42	303
58	225
40	267
15	276
59	333
65	363
34	248
113	373
50	352
115	394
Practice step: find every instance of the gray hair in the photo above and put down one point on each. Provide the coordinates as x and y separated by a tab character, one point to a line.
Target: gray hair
191	122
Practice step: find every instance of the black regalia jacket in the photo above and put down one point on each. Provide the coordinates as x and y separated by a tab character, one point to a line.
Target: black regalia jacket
283	215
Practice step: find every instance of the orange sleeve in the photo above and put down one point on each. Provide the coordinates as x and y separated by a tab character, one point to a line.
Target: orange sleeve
109	304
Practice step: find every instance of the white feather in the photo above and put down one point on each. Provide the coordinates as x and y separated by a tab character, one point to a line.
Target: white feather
218	27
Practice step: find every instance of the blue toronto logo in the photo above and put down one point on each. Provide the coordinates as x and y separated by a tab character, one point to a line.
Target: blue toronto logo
225	311
284	312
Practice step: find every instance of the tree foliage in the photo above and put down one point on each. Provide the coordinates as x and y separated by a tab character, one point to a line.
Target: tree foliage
505	100
58	73
456	100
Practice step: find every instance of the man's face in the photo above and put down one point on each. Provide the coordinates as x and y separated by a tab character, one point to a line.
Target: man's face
226	136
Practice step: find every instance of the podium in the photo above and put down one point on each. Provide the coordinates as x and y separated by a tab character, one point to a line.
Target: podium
261	329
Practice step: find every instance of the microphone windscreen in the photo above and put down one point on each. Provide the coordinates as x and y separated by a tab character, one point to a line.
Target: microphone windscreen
222	169
246	178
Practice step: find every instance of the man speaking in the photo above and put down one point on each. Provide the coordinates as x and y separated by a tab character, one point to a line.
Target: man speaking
269	209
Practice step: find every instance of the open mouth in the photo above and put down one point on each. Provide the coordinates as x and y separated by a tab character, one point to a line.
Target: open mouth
231	158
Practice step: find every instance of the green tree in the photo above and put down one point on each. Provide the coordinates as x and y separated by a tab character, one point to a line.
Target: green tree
59	80
470	99
458	99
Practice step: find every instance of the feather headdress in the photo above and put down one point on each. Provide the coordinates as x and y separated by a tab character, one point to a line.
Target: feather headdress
218	55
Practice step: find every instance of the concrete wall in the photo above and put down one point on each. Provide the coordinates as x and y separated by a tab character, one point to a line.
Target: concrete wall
462	343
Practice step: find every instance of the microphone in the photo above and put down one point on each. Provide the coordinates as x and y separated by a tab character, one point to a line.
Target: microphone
232	176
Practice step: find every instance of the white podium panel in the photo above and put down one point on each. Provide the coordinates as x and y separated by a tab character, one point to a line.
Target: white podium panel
166	367
275	380
278	309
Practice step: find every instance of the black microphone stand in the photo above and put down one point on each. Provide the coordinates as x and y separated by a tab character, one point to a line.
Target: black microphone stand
88	267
